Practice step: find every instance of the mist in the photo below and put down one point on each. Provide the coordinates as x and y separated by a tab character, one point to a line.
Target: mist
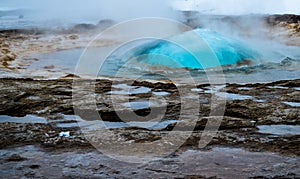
92	10
95	10
240	7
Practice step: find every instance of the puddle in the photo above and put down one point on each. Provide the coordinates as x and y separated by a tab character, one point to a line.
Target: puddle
71	118
278	87
140	90
161	93
97	124
94	125
118	92
279	129
66	122
190	96
128	90
91	125
67	125
33	98
260	100
122	86
294	104
197	90
64	134
214	89
244	88
146	125
138	105
25	119
298	89
232	96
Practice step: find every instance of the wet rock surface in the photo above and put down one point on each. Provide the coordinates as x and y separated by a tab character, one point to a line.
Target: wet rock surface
189	164
35	149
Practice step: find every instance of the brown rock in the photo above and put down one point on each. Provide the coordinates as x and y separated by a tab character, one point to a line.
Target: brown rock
9	57
73	37
69	76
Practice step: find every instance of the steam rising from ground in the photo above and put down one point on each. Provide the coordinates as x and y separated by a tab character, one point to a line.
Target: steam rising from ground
271	41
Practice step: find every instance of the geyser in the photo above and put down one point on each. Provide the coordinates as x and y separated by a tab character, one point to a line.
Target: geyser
197	49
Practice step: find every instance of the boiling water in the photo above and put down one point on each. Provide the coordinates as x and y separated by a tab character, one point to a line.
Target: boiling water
198	49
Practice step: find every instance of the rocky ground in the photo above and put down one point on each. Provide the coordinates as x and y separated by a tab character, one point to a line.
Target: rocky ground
31	147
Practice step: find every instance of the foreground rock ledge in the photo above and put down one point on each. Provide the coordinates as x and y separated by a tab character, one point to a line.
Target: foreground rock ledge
265	104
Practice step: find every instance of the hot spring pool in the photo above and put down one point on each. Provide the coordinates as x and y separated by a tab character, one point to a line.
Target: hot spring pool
194	51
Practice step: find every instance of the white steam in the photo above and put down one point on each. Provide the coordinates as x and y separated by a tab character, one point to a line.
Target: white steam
93	10
240	7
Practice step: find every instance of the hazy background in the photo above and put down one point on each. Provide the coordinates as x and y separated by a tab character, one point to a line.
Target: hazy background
95	10
91	10
239	7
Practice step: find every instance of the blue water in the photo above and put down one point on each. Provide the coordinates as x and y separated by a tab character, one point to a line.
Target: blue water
198	49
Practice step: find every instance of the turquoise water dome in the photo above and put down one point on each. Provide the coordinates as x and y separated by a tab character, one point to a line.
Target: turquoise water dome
198	49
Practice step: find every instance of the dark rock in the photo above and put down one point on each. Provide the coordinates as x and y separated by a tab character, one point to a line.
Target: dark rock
83	27
34	166
287	18
70	76
226	123
15	158
105	23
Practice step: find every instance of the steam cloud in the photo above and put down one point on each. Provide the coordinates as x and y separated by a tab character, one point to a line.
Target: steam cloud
91	10
240	7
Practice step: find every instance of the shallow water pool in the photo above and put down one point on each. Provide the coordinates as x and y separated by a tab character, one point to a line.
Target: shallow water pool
279	129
